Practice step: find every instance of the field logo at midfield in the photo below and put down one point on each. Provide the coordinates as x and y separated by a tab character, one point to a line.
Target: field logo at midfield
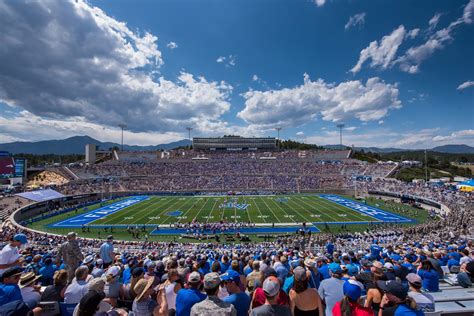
84	219
282	200
174	213
238	206
374	212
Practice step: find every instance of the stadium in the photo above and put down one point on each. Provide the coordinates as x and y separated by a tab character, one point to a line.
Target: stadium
196	158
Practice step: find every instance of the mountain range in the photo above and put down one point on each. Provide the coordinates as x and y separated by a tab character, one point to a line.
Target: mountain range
76	145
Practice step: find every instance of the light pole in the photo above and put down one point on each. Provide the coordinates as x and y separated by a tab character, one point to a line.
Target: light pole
278	129
122	126
340	126
189	129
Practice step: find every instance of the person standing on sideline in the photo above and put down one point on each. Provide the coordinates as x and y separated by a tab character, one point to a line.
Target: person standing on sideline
9	255
71	254
106	252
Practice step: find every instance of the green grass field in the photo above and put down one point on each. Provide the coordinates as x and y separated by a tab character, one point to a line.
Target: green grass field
261	210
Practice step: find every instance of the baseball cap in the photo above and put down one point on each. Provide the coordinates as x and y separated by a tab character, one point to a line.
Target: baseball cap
11	272
299	273
88	259
194	277
231	275
335	268
110	237
71	234
352	270
393	287
113	271
99	262
388	265
309	262
21	238
352	289
271	286
414	278
212	280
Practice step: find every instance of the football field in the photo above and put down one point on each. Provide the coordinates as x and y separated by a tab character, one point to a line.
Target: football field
261	210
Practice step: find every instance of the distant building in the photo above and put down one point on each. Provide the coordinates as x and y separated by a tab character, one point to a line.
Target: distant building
234	143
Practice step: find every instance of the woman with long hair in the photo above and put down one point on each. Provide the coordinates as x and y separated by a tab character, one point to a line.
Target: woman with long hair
349	305
429	276
396	301
56	291
375	294
304	301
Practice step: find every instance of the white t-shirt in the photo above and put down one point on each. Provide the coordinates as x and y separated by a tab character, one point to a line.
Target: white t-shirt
8	255
29	295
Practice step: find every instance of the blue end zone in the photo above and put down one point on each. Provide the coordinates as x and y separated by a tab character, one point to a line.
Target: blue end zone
253	230
86	218
174	213
378	214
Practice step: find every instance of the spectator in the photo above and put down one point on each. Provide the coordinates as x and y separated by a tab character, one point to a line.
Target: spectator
9	289
259	297
29	290
375	294
466	275
113	287
77	289
241	301
424	301
349	305
429	275
143	304
396	301
55	292
71	254
190	296
304	300
97	271
212	305
106	252
331	290
171	288
9	255
271	288
47	271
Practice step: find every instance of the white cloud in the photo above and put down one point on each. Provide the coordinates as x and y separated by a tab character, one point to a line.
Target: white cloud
356	20
381	122
465	85
433	22
350	128
333	102
231	60
68	59
468	13
172	45
255	78
220	59
319	3
381	54
413	33
458	137
300	134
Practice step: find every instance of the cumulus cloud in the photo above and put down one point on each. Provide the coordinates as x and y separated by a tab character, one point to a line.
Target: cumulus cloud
465	85
320	3
228	61
68	59
462	136
413	33
355	20
333	102
383	53
172	45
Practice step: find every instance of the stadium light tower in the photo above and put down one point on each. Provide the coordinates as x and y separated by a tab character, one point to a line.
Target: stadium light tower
278	129
189	129
340	126
122	126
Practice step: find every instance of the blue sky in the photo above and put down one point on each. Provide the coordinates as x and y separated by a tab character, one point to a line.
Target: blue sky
396	73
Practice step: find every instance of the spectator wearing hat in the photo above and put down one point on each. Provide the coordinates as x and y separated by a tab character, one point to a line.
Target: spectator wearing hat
47	271
137	274
241	301
55	292
466	275
9	289
212	304
331	290
9	255
71	254
424	301
189	296
303	299
396	301
429	276
258	296
349	305
106	252
29	290
143	304
97	271
89	303
113	287
271	289
77	289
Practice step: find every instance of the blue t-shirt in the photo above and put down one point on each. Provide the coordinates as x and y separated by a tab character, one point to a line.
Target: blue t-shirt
185	300
105	250
404	310
288	284
430	280
324	270
9	293
127	275
241	302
